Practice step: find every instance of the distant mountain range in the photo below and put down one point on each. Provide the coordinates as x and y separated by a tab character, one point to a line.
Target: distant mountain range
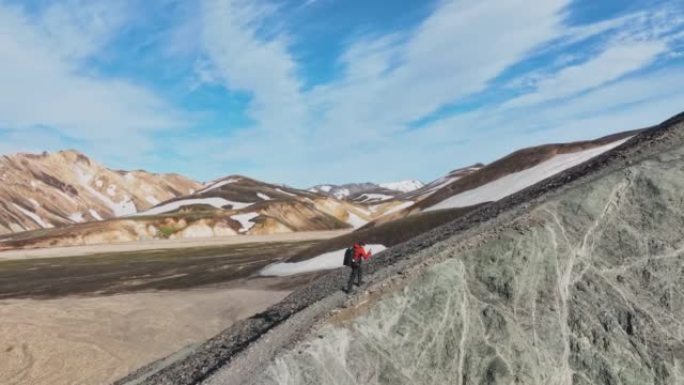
367	192
73	200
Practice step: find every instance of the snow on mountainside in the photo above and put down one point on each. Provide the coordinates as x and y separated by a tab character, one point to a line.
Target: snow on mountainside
512	183
479	184
230	206
260	201
403	186
513	173
327	261
367	192
54	190
344	191
58	189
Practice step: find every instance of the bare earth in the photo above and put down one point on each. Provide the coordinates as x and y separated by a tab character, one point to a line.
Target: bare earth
56	252
96	340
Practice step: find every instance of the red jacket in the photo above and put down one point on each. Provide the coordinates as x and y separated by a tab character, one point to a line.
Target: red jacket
360	252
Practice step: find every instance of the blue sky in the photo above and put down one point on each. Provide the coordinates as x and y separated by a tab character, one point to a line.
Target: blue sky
330	91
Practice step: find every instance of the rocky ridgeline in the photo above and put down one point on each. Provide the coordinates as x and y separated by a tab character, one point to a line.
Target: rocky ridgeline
576	280
583	288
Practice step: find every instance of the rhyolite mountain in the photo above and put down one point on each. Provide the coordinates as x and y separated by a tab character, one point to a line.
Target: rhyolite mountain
40	191
230	206
127	208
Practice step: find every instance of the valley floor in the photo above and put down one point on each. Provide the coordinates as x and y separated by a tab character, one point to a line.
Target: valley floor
73	251
96	340
92	319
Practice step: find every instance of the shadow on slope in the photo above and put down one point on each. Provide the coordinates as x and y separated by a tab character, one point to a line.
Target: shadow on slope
389	233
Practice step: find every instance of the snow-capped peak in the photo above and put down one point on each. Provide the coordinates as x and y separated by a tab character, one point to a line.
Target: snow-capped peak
403	186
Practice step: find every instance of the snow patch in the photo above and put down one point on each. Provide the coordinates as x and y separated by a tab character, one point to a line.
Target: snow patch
125	207
111	190
218	184
95	215
34	217
245	221
374	197
356	221
403	186
515	182
327	261
264	196
99	183
77	217
285	192
215	202
441	182
342	193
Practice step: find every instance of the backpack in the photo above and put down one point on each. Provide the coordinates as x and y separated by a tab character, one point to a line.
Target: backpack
348	256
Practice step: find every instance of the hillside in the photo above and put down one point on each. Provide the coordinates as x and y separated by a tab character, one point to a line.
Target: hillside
57	189
236	205
573	280
230	206
478	184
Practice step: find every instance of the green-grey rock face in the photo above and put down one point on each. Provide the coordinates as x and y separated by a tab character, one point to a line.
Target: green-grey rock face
585	288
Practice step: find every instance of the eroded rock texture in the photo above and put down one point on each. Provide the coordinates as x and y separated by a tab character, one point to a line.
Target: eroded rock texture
586	288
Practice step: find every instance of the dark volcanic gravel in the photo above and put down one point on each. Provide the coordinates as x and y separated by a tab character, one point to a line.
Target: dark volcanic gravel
220	350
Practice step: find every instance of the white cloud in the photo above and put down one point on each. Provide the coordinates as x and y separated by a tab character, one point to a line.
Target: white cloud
44	83
389	80
626	104
355	127
611	64
245	61
440	62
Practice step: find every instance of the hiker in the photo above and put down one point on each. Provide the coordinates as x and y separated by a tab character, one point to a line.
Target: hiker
358	253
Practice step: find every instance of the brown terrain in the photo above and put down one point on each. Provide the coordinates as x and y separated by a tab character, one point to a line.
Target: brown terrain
90	319
57	189
95	340
231	206
234	205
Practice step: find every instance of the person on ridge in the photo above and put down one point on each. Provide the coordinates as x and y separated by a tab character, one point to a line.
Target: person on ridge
359	254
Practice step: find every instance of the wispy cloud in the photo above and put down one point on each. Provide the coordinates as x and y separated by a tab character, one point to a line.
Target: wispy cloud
243	60
611	64
392	80
466	82
389	80
440	62
46	83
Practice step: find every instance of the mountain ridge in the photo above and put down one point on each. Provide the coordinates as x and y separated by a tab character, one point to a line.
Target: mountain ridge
237	204
66	187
